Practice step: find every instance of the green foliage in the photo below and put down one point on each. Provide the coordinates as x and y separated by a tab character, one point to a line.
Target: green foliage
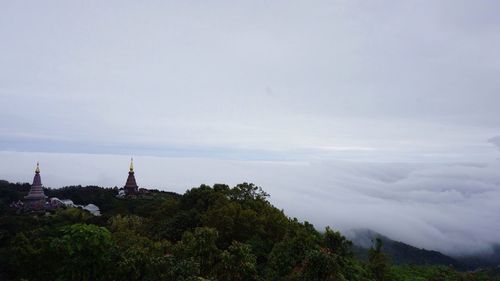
320	265
378	261
289	253
29	255
434	273
208	233
201	247
84	252
237	263
337	243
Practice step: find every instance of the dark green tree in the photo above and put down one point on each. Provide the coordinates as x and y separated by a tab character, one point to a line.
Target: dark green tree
83	252
201	247
337	243
378	262
237	263
320	265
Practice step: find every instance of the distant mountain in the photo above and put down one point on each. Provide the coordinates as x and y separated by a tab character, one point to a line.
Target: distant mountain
487	260
399	252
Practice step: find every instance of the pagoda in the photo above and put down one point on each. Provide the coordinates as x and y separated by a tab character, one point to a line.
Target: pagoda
35	200
131	187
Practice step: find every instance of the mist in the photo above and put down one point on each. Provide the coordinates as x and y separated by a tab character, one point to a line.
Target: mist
447	207
380	115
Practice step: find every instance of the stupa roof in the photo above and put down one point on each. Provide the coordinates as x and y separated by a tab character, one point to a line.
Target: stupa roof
36	191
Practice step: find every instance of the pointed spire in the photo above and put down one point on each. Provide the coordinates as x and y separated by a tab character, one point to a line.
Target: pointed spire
131	187
36	191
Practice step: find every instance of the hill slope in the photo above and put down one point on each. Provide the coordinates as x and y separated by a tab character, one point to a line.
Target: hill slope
400	252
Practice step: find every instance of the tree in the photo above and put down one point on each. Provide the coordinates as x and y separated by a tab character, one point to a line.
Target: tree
237	263
378	261
246	191
200	246
320	265
289	253
337	243
31	256
84	252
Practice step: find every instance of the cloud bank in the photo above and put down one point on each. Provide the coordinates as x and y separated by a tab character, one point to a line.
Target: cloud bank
452	208
349	113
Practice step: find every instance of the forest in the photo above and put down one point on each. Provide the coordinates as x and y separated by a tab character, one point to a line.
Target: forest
208	233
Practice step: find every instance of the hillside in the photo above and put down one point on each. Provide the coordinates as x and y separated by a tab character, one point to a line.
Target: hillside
399	252
490	259
208	233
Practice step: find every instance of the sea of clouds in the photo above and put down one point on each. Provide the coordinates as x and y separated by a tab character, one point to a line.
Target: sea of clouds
450	207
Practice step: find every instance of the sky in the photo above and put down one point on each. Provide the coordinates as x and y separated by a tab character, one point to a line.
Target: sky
354	114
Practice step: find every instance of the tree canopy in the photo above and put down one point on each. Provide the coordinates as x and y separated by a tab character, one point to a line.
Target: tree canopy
208	233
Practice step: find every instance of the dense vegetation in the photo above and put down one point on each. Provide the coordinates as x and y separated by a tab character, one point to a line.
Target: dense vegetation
208	233
402	253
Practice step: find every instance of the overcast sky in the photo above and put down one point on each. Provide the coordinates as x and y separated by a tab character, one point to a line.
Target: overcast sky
379	114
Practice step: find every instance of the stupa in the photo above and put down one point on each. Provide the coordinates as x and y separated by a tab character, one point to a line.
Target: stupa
131	187
35	200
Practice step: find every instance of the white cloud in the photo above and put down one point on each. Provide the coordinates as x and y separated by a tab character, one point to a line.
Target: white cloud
495	141
388	104
448	207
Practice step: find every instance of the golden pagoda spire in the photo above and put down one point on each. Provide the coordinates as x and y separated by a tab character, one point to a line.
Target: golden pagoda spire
37	170
131	165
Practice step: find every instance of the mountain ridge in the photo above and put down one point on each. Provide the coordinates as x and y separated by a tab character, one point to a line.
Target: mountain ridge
403	253
400	253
